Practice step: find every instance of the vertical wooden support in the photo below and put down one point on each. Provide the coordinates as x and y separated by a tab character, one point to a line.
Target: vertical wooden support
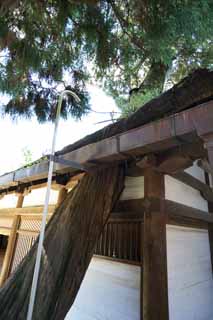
11	243
155	282
20	200
61	196
10	250
141	279
208	140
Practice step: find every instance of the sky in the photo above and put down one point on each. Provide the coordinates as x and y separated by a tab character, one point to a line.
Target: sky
15	136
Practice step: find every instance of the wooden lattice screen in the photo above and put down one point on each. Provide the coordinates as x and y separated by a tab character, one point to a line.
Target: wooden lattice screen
120	240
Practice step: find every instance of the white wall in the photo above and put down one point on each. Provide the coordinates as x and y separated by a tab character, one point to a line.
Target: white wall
190	279
34	198
37	197
110	291
133	188
180	192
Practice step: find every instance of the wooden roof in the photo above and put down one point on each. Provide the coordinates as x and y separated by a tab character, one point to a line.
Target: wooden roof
178	130
146	131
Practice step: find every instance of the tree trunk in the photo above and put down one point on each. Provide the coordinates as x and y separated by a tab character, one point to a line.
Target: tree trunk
155	77
191	91
70	239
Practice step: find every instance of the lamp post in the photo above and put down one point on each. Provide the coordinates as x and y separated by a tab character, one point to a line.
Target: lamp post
45	210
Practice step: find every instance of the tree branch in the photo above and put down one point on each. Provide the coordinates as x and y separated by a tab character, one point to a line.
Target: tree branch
124	24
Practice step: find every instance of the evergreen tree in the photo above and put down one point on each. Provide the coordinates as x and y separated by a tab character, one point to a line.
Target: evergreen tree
129	47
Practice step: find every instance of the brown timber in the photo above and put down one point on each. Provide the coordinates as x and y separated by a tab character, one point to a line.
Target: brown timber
155	287
191	91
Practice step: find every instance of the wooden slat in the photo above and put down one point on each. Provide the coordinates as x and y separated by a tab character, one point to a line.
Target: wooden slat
36	217
32	233
126	216
26	210
195	183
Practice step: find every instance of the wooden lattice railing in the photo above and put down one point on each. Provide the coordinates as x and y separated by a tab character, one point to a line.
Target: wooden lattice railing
121	240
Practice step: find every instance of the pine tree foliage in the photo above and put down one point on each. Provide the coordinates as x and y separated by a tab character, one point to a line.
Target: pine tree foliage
127	46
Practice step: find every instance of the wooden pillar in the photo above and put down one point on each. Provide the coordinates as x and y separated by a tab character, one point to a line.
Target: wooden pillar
11	243
208	141
141	278
155	282
10	250
61	196
20	200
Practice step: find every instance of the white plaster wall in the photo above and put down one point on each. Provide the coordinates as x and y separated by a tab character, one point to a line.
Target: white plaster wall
190	282
133	188
8	201
110	291
180	192
196	171
34	198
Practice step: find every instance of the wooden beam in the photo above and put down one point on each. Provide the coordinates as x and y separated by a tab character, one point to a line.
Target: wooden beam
195	183
175	209
174	162
147	161
32	233
133	205
155	286
26	210
164	134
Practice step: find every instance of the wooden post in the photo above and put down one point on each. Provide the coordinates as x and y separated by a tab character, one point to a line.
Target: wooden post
155	282
61	196
208	141
141	279
20	200
11	243
10	250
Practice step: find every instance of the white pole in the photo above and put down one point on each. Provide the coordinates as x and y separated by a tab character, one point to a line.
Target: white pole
45	210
